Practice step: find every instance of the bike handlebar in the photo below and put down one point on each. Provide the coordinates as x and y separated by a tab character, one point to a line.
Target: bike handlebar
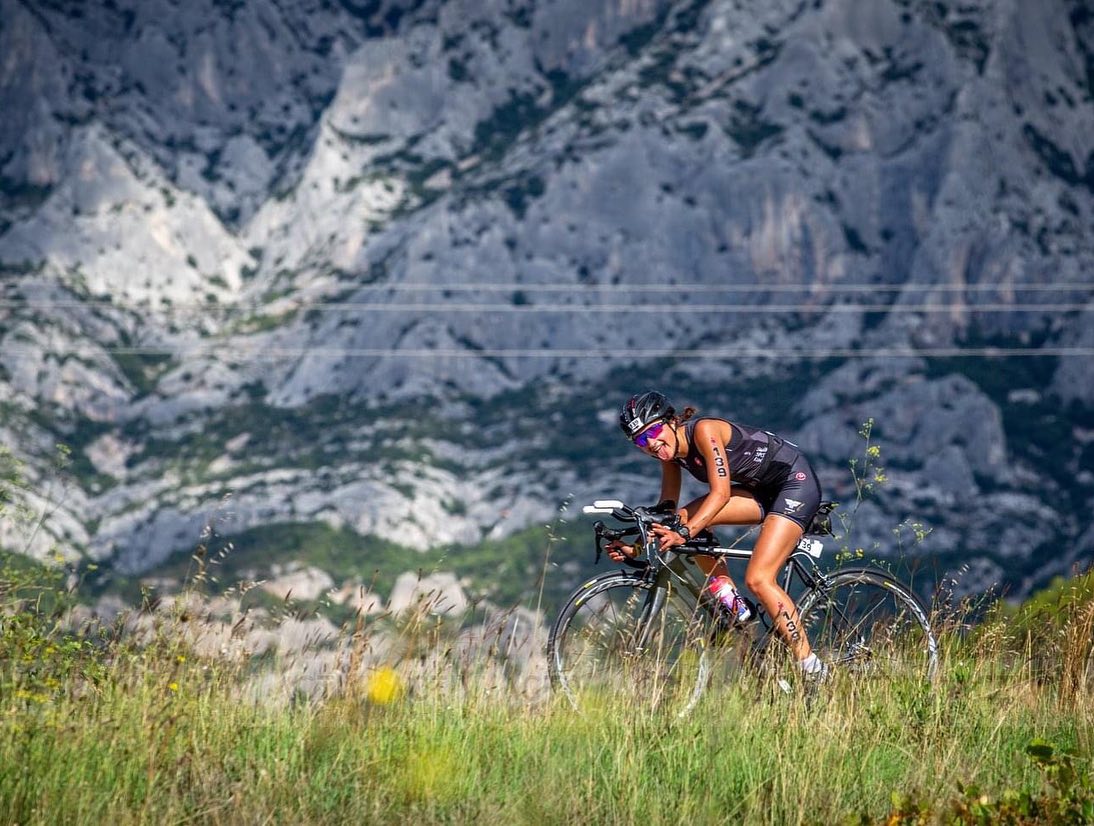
663	513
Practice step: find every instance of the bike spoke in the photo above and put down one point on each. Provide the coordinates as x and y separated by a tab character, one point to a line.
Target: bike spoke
626	637
864	624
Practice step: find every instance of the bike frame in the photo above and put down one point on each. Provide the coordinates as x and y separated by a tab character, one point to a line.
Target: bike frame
673	575
678	564
679	567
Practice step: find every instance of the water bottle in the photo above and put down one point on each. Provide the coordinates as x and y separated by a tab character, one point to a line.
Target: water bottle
722	589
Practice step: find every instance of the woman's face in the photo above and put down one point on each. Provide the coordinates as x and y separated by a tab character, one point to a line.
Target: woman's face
657	440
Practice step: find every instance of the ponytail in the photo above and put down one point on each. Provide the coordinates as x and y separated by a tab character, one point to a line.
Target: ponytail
687	414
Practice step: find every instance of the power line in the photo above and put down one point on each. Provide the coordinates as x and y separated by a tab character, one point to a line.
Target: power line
691	309
238	353
687	309
489	286
464	287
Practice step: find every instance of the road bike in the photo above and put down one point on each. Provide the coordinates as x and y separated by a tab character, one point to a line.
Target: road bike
651	627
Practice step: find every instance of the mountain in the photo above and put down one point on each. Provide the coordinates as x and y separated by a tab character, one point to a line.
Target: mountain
381	272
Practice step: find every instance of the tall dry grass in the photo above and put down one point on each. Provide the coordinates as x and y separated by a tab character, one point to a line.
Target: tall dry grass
425	720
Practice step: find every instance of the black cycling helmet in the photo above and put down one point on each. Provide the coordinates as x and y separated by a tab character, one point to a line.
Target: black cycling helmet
640	411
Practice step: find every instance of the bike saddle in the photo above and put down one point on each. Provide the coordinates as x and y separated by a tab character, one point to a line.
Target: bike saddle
822	520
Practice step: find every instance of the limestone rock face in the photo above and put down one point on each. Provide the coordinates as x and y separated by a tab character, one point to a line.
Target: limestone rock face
438	593
302	584
389	267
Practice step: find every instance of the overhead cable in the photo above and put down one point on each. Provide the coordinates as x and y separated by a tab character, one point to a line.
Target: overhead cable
235	352
526	309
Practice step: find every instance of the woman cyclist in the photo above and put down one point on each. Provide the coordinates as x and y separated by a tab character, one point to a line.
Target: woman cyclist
755	477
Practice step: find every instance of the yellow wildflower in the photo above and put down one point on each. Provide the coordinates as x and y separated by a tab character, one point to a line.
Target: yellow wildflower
384	686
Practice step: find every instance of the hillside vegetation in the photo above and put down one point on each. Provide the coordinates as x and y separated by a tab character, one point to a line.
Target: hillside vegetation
388	267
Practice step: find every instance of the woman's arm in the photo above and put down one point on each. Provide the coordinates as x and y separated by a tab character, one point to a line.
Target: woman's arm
711	437
670	482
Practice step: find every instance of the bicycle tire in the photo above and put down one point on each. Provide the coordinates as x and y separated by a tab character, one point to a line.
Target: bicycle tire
864	622
612	639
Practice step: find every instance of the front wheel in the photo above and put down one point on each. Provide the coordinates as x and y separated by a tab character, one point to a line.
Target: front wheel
864	622
624	635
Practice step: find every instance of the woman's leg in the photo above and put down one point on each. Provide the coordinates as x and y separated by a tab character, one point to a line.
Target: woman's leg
741	509
776	542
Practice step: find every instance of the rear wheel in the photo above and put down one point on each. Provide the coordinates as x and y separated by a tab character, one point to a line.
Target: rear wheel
865	623
620	636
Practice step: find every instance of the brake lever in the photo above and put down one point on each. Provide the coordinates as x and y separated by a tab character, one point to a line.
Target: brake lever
598	528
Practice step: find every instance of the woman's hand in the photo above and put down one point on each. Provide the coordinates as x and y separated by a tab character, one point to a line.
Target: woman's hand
618	550
667	537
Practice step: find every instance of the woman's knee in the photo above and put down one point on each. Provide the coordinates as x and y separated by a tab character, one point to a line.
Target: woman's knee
759	582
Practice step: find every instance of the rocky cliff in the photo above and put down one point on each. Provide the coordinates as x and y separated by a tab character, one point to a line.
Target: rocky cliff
389	267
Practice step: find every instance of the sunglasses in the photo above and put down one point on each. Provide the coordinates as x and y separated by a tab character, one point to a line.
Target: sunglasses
642	440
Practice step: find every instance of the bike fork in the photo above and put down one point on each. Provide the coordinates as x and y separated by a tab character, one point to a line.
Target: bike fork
655	603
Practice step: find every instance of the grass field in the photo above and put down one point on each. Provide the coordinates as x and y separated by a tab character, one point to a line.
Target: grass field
124	728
